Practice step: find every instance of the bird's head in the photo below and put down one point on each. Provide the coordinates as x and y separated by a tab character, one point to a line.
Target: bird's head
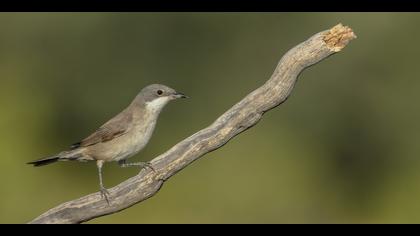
156	96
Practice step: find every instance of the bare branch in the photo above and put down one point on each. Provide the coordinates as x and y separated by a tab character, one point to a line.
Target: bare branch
240	117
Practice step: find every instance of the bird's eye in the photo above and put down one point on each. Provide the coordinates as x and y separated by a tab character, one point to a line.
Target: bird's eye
159	92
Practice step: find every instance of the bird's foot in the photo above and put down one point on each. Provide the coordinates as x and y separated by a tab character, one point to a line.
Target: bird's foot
148	165
104	194
141	164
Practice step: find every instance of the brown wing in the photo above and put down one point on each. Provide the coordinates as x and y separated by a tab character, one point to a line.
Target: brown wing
114	128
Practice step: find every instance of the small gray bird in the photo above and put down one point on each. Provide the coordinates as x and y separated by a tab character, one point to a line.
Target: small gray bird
123	136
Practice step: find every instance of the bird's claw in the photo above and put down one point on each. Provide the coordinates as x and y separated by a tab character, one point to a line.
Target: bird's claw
104	194
148	165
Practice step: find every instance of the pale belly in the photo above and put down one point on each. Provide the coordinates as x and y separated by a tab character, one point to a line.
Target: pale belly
133	145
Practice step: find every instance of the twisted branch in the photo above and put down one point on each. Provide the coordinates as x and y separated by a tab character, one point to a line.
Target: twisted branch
240	117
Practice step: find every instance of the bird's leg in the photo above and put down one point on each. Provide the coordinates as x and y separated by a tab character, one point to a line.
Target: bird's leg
123	163
104	192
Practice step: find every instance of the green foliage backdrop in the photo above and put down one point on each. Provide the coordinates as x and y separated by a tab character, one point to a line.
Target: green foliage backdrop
343	148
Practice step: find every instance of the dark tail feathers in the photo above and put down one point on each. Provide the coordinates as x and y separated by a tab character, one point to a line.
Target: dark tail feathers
44	161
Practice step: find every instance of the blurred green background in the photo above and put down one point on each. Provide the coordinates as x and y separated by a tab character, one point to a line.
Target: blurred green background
343	149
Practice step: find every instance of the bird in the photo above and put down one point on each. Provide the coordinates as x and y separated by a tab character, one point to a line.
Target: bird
121	137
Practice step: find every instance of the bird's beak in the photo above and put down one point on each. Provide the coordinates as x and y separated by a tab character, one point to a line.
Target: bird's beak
180	95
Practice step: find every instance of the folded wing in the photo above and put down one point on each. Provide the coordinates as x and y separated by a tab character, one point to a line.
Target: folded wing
112	129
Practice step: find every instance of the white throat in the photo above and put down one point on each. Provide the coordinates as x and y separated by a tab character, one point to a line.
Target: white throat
157	104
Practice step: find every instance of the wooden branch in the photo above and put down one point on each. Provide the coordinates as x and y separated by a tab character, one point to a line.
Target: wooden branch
240	117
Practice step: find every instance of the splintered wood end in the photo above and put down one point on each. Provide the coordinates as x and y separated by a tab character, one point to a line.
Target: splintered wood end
338	37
